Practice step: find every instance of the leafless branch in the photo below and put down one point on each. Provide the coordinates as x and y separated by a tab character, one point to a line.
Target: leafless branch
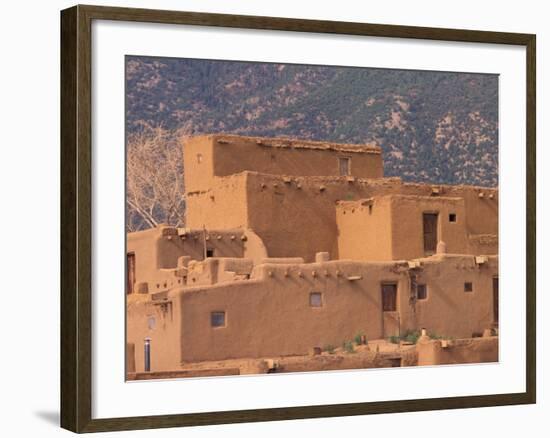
154	178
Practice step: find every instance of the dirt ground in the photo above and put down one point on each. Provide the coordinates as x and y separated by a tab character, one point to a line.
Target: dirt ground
376	354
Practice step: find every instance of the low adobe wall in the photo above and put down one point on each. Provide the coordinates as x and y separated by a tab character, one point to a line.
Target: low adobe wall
476	350
218	270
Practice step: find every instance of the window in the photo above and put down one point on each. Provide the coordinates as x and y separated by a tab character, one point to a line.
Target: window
217	319
344	166
315	299
421	292
199	158
468	287
395	362
452	217
389	297
209	252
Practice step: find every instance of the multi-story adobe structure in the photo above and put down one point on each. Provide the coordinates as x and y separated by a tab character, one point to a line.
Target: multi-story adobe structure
291	245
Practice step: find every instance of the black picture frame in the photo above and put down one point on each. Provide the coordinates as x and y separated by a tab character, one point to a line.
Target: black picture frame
76	217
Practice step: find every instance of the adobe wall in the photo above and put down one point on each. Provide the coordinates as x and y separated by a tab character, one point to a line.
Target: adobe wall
223	243
391	227
358	360
365	229
277	156
157	251
448	309
480	203
483	243
218	270
206	157
143	245
270	314
477	350
296	216
407	224
224	205
198	164
159	321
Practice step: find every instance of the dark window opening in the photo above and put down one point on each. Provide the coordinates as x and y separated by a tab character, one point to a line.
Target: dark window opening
217	319
209	252
344	166
452	217
315	299
395	362
468	287
389	297
421	292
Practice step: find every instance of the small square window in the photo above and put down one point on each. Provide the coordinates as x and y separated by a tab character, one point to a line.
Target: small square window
217	319
209	252
315	299
468	287
421	291
452	217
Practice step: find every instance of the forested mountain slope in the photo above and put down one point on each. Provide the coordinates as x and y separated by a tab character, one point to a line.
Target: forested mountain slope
432	126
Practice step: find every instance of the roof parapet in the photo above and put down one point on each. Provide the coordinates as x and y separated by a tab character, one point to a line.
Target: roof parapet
294	143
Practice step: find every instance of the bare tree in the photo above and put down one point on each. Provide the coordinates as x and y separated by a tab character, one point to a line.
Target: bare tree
154	178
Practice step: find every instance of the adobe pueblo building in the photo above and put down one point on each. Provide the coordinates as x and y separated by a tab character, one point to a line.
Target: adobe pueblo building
295	248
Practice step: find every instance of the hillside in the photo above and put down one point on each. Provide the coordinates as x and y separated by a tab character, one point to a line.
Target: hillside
432	126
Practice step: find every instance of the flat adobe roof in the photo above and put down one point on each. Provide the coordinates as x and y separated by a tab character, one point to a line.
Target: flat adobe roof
294	143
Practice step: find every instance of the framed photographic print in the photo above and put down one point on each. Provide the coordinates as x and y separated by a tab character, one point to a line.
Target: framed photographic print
270	218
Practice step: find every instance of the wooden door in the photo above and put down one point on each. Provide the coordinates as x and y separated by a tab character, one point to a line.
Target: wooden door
344	165
495	300
130	272
390	315
389	297
430	232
